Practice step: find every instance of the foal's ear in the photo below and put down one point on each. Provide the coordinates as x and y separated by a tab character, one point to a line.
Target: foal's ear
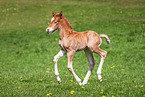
53	13
61	13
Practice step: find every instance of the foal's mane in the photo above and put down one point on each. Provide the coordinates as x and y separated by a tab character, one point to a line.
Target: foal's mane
67	22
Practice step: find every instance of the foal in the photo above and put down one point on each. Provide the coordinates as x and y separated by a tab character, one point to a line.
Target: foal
72	41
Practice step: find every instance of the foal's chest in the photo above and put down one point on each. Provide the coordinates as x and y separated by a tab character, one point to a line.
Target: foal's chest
61	44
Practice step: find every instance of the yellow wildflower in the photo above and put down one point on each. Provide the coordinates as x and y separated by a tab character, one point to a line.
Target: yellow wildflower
88	83
19	87
103	96
141	86
21	77
48	68
122	69
72	92
105	79
83	87
47	94
71	80
113	96
101	92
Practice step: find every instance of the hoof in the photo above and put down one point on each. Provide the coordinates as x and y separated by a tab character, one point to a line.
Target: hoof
59	81
100	80
83	84
80	84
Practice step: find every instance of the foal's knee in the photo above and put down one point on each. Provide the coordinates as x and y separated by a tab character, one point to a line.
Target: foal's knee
55	59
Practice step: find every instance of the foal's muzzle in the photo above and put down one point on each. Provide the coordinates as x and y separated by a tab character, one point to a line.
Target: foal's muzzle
47	30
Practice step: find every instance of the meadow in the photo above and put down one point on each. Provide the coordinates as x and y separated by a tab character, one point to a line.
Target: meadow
27	51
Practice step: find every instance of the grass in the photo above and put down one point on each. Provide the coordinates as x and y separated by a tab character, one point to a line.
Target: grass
26	51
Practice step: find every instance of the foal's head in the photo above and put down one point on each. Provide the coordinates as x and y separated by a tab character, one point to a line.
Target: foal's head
55	22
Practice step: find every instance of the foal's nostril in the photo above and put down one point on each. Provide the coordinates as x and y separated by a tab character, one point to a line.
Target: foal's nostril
47	30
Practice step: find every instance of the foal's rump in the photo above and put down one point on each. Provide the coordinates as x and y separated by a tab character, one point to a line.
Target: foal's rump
94	39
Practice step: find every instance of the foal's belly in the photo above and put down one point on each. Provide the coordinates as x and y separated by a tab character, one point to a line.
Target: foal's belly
74	44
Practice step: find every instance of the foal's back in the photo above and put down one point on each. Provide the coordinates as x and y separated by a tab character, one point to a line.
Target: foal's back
81	40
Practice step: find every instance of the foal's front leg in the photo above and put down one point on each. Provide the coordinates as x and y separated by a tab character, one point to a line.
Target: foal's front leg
70	55
60	54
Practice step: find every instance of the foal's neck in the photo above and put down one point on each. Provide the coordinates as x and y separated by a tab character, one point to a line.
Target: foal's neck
65	28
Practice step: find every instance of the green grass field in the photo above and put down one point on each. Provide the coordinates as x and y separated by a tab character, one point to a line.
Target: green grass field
26	51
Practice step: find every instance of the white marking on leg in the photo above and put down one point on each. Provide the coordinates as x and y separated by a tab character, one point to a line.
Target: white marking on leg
91	65
100	66
60	54
99	69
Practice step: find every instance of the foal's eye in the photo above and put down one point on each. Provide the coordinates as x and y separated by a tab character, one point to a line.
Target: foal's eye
55	22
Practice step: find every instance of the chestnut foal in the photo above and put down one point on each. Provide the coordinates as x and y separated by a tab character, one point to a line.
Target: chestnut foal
72	41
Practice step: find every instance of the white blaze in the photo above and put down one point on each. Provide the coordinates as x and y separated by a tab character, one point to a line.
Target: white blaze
52	19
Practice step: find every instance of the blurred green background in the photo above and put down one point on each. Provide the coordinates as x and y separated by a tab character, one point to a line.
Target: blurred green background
26	51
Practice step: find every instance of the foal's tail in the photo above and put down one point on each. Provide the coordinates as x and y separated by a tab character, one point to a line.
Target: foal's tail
107	38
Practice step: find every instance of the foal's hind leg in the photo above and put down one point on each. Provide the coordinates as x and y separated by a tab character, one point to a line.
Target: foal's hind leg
91	65
103	54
